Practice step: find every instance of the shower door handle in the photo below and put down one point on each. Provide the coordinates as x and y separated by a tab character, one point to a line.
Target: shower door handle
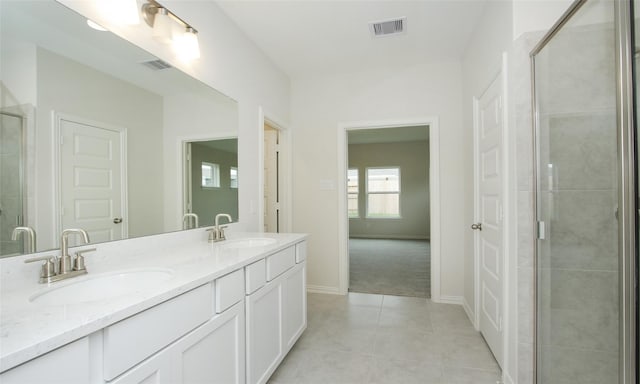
477	226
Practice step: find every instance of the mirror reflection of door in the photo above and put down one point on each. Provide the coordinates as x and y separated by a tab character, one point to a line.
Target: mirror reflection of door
11	182
93	179
271	179
210	180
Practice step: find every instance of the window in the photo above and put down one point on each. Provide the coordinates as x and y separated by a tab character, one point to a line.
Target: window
383	193
233	177
210	175
352	193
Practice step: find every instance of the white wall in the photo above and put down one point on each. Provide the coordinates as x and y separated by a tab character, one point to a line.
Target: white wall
232	64
17	72
320	104
536	15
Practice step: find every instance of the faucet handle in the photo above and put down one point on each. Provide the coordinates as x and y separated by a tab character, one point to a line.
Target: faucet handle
48	268
78	263
213	234
39	258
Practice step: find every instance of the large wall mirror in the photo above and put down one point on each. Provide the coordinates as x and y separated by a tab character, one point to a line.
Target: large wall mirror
90	128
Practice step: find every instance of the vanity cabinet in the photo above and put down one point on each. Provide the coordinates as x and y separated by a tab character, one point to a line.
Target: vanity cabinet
66	365
235	329
276	313
264	332
213	353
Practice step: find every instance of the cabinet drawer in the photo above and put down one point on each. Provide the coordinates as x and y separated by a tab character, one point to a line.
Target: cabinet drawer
280	262
229	290
256	276
68	364
301	252
132	340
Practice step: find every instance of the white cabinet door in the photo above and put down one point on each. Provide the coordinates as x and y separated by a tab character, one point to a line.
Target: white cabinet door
214	353
69	365
158	369
294	304
264	331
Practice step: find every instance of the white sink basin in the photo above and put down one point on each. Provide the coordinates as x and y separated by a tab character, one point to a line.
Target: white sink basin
248	243
102	287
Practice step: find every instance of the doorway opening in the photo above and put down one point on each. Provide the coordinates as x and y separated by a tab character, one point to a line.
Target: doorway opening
388	209
271	178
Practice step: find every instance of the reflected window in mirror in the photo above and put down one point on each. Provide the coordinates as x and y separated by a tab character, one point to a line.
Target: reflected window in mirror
233	176
210	175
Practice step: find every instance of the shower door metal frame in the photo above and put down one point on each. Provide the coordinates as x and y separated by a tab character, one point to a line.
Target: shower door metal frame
628	214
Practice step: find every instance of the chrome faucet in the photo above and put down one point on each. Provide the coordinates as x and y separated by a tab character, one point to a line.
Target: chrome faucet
31	237
65	259
217	232
49	273
186	220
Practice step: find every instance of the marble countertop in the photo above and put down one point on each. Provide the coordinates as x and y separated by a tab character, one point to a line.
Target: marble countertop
29	329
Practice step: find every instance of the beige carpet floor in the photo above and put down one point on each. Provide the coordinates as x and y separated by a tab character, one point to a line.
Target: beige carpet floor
390	267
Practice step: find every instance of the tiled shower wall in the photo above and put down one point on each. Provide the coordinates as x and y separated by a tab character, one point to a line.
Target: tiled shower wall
578	268
11	191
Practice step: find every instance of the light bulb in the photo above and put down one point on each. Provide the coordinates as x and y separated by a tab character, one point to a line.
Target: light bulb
162	26
186	45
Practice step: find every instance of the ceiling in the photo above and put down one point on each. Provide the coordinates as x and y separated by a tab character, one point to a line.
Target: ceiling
306	37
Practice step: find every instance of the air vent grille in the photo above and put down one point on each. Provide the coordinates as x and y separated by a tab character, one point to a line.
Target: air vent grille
156	65
388	27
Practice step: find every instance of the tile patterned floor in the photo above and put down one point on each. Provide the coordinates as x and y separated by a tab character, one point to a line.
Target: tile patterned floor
390	267
365	338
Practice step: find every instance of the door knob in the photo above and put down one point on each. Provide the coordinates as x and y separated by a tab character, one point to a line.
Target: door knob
117	220
477	226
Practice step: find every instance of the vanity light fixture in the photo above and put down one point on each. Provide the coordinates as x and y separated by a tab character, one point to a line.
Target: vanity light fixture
163	26
170	29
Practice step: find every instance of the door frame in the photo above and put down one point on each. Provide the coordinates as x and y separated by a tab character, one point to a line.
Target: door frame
434	195
265	116
509	210
181	142
57	118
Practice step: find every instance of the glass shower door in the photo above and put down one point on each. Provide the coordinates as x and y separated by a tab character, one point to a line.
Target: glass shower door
577	195
11	182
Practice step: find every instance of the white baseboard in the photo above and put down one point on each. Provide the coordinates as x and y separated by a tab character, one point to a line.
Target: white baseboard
323	289
390	237
444	299
470	313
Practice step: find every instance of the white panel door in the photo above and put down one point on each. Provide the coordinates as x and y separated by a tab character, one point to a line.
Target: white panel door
489	208
91	185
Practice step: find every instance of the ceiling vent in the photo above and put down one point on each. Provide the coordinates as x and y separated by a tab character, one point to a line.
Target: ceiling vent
391	27
156	65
